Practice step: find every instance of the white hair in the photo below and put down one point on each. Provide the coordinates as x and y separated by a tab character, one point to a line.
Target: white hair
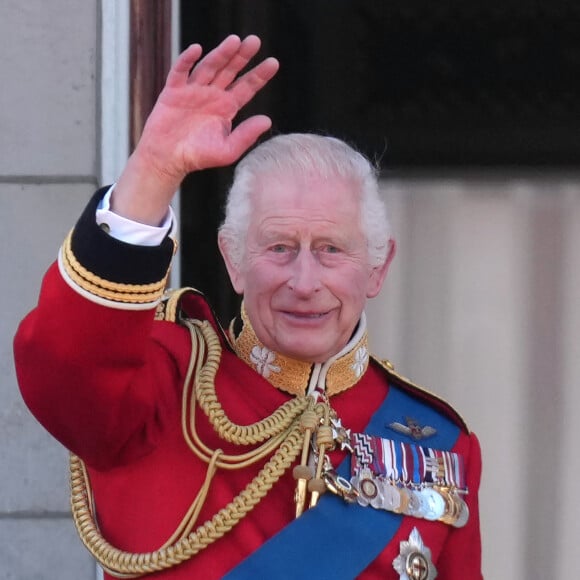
304	153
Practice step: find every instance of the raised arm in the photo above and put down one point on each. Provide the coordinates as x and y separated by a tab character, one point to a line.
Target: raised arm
191	125
91	364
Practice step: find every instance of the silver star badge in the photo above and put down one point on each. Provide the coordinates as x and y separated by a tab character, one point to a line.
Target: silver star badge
414	560
341	435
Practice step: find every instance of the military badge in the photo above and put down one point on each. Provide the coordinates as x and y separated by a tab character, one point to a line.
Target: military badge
414	559
412	429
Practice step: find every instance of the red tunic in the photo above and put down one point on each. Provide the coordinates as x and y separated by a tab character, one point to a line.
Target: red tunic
107	383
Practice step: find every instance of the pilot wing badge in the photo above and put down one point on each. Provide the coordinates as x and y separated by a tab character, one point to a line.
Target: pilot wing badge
413	429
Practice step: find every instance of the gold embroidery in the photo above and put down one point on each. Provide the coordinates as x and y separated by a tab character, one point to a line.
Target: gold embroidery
348	369
292	376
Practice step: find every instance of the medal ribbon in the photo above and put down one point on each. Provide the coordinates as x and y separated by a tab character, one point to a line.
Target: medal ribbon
408	462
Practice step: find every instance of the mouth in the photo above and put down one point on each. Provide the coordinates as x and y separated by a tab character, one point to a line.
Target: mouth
305	315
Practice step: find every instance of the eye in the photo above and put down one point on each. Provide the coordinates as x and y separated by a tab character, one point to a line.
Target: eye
330	249
278	248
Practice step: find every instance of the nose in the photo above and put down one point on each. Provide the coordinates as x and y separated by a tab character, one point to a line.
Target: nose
304	279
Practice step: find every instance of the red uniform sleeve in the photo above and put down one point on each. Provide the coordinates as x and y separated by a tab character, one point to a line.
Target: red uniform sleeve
96	377
97	372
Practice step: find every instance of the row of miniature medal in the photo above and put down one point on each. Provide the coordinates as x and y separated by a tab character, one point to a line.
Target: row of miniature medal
409	479
403	478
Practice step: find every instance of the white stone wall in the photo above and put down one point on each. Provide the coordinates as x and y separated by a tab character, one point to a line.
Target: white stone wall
48	156
482	306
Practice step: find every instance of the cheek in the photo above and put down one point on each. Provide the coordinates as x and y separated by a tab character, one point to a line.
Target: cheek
349	286
264	279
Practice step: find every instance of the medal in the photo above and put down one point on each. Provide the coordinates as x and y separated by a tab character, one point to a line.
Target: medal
414	507
433	503
451	507
406	478
404	505
463	514
378	501
368	489
339	485
391	496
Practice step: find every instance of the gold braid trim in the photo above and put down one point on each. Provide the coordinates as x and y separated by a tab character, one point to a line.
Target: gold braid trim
281	431
115	291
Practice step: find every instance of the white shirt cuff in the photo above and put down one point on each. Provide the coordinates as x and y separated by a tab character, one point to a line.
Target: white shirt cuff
132	232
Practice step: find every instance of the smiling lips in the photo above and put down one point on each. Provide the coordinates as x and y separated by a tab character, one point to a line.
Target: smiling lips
305	315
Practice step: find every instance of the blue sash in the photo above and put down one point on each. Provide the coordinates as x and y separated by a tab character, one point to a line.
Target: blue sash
312	545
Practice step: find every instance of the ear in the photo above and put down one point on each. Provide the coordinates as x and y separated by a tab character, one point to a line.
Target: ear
234	269
379	273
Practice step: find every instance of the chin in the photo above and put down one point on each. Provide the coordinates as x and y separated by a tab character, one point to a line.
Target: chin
306	355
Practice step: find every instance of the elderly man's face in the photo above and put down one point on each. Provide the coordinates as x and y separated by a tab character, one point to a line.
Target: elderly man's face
305	276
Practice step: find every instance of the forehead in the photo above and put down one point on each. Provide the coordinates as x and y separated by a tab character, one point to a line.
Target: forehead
287	194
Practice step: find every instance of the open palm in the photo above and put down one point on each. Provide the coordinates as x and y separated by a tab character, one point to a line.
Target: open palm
190	127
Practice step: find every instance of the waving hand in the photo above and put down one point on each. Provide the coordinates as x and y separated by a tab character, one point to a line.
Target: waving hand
191	125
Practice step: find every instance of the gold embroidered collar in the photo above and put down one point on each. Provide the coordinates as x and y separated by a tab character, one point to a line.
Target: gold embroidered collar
297	377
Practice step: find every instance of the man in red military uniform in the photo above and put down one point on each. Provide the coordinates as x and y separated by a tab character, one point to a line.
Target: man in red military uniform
278	448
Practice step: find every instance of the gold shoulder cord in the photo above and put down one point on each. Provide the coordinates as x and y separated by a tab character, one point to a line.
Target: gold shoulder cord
283	433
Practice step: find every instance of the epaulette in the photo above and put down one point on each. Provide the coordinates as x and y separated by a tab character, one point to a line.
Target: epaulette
189	303
169	309
422	393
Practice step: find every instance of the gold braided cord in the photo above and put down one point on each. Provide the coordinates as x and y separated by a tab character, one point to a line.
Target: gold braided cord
190	518
122	564
277	422
116	291
287	440
272	430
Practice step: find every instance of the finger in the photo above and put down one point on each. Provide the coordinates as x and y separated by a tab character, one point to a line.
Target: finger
206	70
246	87
179	72
247	51
246	134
